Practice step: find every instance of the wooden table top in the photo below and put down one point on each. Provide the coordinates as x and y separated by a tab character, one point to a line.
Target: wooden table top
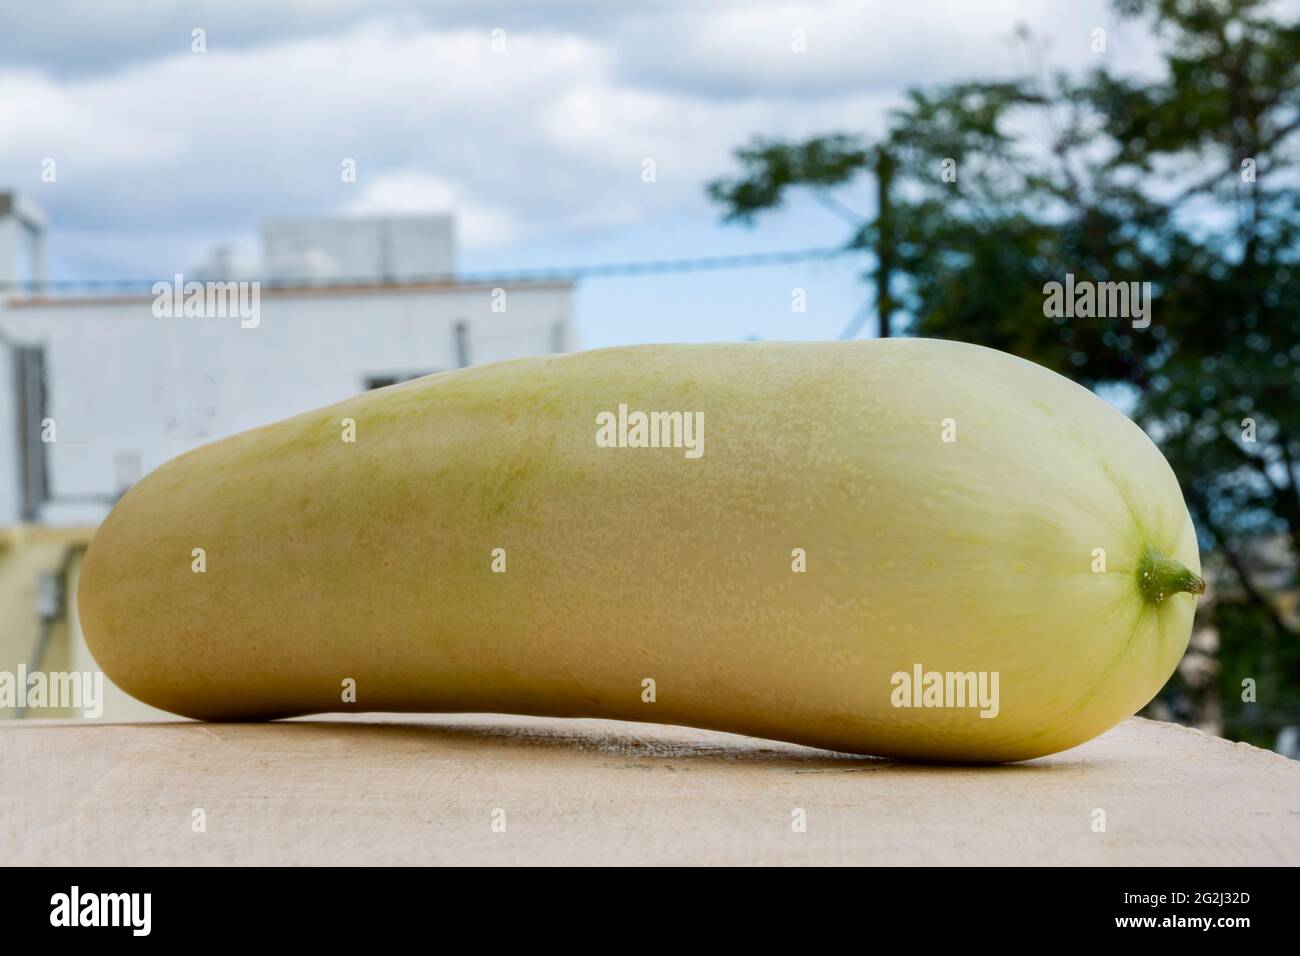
487	789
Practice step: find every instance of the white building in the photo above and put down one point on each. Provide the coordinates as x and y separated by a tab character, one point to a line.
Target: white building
96	389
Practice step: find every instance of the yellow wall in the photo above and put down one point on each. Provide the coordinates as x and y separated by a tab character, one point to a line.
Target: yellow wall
26	552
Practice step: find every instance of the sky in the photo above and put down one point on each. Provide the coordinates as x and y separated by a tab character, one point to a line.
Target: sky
536	142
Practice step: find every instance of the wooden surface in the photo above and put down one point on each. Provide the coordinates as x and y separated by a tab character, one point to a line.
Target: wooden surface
389	789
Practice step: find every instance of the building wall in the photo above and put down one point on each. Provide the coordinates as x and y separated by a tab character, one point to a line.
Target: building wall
10	497
11	250
22	249
26	554
384	247
128	390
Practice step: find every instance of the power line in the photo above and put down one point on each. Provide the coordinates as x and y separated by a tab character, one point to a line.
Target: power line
521	277
858	321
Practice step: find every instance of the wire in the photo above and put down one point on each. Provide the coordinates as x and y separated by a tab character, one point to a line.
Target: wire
548	274
858	321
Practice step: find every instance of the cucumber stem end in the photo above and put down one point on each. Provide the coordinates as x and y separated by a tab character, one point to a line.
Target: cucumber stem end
1158	577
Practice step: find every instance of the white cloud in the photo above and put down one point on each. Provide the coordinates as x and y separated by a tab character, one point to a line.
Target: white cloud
45	119
748	50
179	150
478	225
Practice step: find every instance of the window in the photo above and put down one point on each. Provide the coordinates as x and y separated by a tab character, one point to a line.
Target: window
395	378
461	332
29	379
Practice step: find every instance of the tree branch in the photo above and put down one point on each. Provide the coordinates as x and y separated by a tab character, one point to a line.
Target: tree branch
1238	566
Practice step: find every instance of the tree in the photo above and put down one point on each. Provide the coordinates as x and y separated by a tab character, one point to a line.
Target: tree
1189	182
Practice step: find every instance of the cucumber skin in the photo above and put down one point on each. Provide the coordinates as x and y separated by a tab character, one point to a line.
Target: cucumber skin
371	561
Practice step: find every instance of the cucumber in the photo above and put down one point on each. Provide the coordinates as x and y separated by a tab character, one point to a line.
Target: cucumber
911	548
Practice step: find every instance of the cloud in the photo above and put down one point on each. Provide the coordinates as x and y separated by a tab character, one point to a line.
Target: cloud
162	151
478	225
78	38
789	50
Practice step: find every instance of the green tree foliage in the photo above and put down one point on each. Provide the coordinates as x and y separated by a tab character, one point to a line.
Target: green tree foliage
1189	181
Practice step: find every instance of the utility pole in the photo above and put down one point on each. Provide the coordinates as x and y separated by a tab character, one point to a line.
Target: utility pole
885	241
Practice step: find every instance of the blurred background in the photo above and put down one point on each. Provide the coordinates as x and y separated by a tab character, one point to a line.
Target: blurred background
418	186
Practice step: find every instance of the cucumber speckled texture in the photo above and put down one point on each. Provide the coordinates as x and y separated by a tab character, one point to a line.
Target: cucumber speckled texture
868	530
